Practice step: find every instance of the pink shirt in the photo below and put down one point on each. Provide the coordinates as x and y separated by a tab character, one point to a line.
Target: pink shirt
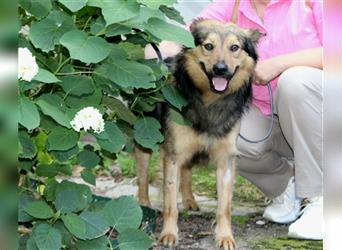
290	25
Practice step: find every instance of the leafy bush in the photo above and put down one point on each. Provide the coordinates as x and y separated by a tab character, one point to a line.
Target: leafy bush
87	102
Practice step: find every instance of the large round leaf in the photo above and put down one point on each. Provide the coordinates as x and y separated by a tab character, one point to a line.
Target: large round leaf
173	96
111	139
28	114
74	5
130	74
88	159
38	8
147	132
134	239
77	85
116	11
169	32
51	106
47	237
46	33
88	49
39	209
72	197
45	76
62	139
123	213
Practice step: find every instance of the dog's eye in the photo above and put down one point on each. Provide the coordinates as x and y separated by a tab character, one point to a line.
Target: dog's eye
234	47
208	46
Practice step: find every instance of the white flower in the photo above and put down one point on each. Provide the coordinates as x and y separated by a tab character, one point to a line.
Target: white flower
27	65
88	118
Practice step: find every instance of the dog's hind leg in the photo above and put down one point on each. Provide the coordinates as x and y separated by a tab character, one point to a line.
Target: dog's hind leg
188	198
142	157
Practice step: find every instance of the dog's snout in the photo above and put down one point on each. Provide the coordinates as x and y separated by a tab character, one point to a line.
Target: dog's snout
220	68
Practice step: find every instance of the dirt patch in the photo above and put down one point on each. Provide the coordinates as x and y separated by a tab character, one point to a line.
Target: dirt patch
250	231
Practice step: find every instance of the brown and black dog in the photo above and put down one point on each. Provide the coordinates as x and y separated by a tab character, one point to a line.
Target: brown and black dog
215	77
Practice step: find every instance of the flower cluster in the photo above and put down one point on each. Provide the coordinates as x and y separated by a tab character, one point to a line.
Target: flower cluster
27	65
88	118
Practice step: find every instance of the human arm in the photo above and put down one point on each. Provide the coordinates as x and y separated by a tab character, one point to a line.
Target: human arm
268	69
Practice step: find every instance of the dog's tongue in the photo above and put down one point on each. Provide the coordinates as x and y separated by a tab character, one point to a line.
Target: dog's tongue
220	83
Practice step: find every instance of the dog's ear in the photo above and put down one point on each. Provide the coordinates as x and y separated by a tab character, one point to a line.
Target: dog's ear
254	35
195	31
251	38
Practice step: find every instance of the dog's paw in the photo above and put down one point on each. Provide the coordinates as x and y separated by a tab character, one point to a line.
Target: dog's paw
168	239
226	242
190	204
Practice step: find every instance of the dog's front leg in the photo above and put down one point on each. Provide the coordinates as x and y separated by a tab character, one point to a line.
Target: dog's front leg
142	157
169	234
225	180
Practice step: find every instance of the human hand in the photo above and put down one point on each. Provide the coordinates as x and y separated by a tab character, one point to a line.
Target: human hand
267	70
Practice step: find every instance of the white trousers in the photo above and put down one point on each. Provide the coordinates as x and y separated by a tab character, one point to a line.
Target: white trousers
296	137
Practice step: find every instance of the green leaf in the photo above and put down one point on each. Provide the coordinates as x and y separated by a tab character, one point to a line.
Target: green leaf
75	225
51	105
38	8
178	118
62	139
47	237
173	96
117	29
39	209
47	170
146	132
74	5
88	177
67	239
28	114
98	244
88	159
155	4
50	189
31	244
72	197
88	49
46	33
45	76
86	100
130	74
65	155
123	213
134	239
116	11
169	32
77	85
96	225
112	139
86	226
23	200
172	13
134	51
120	109
27	148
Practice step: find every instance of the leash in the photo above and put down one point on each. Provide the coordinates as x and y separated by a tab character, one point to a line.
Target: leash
272	120
160	60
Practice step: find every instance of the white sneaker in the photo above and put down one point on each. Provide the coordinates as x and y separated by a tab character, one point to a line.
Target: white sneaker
286	207
310	224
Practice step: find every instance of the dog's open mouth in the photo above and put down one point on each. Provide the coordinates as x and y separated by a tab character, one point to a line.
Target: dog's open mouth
218	84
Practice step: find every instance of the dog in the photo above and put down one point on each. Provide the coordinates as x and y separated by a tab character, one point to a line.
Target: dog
215	77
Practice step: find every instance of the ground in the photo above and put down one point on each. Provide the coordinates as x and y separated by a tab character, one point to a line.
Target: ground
251	231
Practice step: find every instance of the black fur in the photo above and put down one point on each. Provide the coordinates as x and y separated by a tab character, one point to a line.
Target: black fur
219	117
249	47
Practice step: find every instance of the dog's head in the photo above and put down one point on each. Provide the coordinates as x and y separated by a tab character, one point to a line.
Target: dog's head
224	57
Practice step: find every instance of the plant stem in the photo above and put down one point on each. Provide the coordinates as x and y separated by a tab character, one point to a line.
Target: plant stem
75	73
61	65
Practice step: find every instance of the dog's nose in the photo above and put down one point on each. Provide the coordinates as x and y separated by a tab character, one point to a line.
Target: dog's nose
220	69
